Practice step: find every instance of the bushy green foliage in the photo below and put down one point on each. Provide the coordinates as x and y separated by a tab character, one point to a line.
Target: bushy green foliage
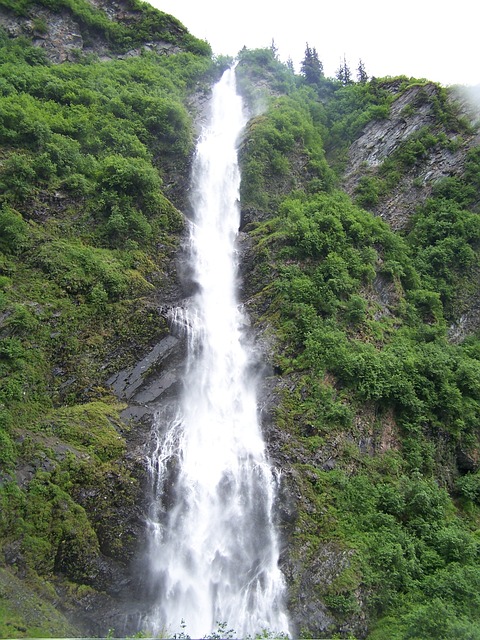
13	231
261	67
277	142
360	315
86	235
369	190
335	249
445	239
76	268
411	539
19	7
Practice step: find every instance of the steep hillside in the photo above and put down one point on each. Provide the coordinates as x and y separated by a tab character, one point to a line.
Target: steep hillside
372	403
94	163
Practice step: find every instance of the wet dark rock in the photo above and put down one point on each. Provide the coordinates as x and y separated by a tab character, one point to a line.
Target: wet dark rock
467	321
468	461
325	565
152	381
129	382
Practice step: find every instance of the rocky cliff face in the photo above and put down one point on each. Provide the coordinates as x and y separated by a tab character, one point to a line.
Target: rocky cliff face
64	35
412	111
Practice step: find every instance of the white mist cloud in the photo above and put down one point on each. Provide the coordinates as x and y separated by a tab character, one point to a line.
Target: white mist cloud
470	97
419	38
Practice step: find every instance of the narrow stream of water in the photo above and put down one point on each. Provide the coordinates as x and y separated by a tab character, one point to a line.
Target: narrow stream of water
214	549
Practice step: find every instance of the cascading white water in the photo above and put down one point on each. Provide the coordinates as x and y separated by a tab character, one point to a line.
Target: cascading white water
214	551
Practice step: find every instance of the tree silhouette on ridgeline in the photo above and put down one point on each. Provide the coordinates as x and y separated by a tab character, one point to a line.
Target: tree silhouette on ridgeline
343	74
312	67
362	75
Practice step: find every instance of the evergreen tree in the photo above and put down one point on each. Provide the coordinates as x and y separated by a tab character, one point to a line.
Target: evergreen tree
290	64
343	74
312	67
362	75
339	74
274	49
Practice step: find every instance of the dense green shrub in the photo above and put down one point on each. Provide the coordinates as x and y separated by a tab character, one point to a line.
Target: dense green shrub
275	143
369	190
14	232
445	237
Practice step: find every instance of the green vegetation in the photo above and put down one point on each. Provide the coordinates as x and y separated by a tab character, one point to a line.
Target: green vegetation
378	405
22	609
272	166
370	379
87	231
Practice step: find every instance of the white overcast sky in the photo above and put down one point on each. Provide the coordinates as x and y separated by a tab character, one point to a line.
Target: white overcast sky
432	39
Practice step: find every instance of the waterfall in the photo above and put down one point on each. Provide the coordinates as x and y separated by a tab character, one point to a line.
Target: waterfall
214	550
